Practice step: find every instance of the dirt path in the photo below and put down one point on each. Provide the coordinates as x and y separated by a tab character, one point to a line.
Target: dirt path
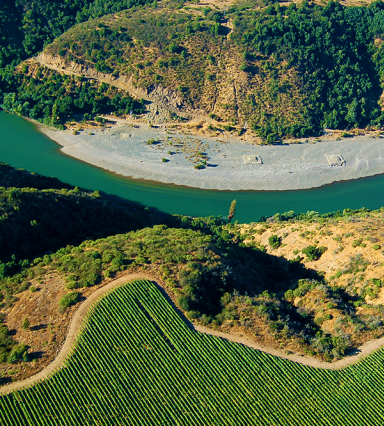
73	328
79	316
359	353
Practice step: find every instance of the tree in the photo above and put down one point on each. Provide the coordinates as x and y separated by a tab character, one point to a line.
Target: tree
274	241
26	323
232	211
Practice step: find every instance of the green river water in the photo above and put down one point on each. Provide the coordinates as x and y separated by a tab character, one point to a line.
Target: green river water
22	146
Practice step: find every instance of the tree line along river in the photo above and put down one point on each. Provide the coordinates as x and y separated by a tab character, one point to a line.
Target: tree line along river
23	146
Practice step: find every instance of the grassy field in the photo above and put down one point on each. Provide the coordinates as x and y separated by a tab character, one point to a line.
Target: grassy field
142	365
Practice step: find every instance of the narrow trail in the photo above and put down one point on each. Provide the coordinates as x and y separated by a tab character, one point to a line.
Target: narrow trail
74	327
77	321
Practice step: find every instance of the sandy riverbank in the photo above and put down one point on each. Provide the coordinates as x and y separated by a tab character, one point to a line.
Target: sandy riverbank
123	149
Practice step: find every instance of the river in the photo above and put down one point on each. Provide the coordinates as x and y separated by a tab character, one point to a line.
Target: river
23	146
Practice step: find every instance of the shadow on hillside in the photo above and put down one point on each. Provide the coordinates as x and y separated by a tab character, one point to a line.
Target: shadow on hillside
177	310
35	355
38	327
5	381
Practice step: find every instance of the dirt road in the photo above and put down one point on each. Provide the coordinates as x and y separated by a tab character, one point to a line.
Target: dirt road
79	316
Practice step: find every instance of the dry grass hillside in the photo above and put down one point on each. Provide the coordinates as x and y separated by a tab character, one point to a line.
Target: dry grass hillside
198	76
269	70
348	252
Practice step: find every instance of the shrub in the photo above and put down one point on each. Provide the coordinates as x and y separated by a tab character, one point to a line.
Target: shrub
18	353
184	303
71	285
69	299
313	252
225	299
376	247
289	295
274	241
358	243
193	314
26	323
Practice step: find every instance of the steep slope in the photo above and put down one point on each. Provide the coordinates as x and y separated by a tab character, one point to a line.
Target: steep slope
281	71
217	276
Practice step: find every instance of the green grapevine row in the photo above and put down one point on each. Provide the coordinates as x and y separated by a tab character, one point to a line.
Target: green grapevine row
136	362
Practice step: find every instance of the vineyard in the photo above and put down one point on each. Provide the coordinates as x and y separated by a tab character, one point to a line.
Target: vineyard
137	362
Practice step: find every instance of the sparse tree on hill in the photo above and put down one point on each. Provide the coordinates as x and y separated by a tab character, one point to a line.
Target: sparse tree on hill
232	211
26	323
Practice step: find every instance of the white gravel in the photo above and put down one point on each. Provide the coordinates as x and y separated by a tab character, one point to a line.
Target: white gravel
122	149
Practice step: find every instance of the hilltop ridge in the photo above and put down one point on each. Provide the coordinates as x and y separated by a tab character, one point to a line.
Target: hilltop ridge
275	70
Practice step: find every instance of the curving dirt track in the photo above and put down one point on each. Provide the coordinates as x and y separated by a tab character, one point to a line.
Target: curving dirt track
73	329
79	316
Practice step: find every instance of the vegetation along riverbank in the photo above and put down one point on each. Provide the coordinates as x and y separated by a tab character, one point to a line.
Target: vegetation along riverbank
112	312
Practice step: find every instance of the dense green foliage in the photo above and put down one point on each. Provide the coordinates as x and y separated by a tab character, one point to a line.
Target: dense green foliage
20	178
27	26
142	365
335	50
34	221
47	96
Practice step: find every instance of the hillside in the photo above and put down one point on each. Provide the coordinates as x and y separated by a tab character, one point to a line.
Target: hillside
197	267
144	365
40	214
223	276
20	178
26	27
278	70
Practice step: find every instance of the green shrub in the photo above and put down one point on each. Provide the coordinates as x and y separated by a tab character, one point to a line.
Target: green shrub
376	247
184	302
313	252
69	299
18	353
274	241
358	243
26	323
193	314
289	295
71	285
